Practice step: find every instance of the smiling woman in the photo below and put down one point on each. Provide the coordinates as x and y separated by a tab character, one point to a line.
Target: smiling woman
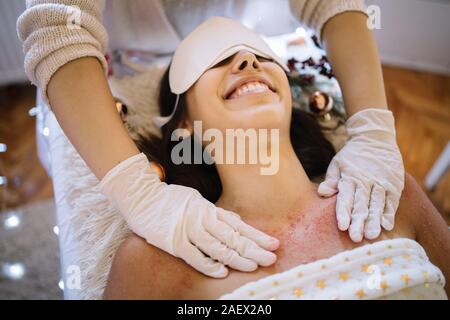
266	112
65	59
315	259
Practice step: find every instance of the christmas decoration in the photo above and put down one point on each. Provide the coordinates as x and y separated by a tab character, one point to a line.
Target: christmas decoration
316	90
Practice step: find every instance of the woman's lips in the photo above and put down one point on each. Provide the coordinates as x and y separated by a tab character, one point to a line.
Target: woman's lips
250	89
246	86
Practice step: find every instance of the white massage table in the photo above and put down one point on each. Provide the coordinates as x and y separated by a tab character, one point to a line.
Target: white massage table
51	144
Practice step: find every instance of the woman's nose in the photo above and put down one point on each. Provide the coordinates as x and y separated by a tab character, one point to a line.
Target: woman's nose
246	61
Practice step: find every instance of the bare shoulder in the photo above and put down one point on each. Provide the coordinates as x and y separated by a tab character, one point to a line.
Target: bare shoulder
430	227
428	221
416	216
415	205
141	271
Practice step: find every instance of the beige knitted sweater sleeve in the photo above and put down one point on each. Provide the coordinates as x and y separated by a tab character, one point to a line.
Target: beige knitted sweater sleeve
315	13
50	39
55	32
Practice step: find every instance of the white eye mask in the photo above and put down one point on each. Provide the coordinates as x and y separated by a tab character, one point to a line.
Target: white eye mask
212	42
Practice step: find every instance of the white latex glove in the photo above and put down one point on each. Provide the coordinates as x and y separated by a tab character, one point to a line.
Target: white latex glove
180	221
368	173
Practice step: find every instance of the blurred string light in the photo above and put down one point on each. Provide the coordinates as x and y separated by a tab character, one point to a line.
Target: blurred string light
56	230
3	179
37	112
46	131
14	271
12	221
301	32
61	284
33	112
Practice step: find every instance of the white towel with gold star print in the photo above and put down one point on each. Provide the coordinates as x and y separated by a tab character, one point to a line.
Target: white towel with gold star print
389	269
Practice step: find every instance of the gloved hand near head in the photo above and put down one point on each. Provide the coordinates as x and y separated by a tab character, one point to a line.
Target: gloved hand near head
180	221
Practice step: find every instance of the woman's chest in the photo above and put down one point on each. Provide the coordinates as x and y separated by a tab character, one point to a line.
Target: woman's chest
316	236
310	238
306	238
302	240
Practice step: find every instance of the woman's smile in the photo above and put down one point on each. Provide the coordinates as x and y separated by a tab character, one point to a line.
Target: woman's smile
250	89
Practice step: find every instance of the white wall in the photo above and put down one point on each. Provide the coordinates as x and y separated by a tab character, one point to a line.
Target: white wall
415	34
11	55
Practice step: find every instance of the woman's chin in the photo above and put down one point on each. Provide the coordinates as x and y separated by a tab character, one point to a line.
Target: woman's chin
262	117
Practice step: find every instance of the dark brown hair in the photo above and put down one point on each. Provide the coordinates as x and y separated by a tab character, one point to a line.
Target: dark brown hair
314	151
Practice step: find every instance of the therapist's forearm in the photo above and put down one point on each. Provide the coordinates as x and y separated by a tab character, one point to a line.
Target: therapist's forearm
83	104
353	54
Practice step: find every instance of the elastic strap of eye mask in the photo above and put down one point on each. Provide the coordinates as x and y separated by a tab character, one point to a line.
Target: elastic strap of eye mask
162	121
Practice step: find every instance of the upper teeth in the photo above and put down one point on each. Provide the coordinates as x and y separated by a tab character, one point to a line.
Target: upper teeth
250	87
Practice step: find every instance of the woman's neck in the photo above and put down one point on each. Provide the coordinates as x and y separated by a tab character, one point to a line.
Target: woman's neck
272	198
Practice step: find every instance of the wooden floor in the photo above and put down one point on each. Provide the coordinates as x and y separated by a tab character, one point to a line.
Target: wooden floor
421	105
420	102
27	180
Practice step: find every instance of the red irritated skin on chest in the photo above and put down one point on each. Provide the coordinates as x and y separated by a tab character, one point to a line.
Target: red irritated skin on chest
306	237
141	271
310	235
